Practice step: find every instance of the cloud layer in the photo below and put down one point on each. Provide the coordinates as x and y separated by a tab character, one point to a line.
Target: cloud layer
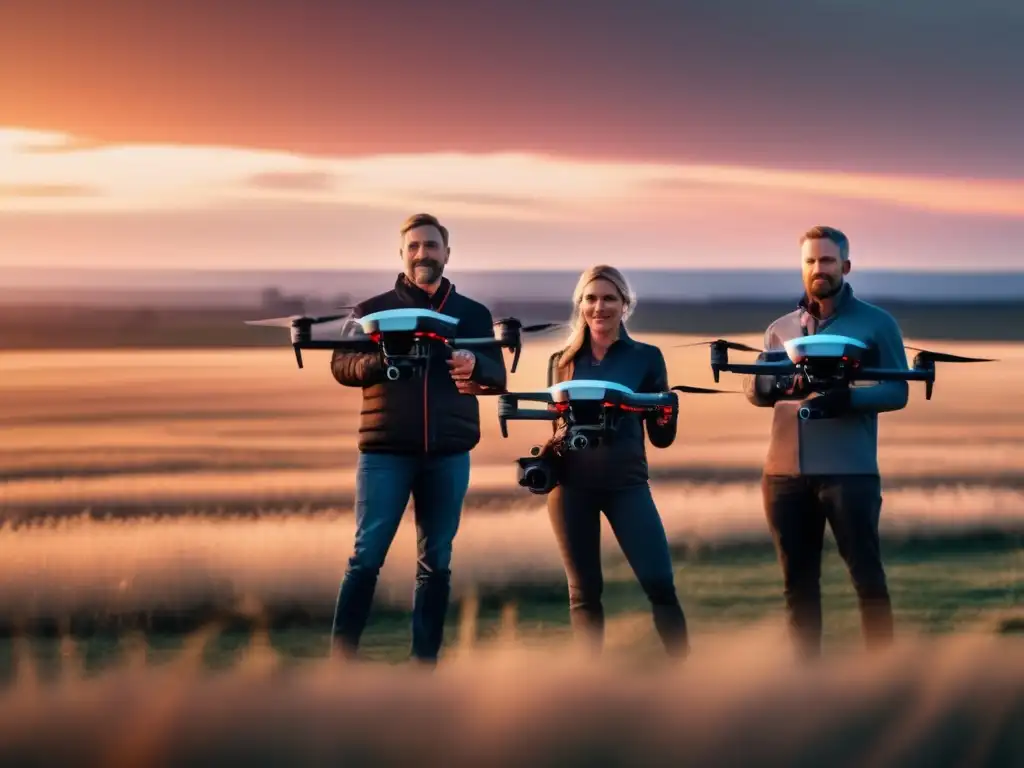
56	172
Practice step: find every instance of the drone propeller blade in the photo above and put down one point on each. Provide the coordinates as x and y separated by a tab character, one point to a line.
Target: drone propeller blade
944	357
294	320
703	390
277	322
516	323
538	327
735	345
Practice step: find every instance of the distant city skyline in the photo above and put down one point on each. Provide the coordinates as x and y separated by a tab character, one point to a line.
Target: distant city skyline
298	136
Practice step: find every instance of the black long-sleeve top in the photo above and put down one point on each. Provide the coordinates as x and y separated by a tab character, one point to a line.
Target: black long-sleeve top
622	461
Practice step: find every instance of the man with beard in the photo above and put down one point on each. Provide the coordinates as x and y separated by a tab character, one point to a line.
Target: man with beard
826	469
415	437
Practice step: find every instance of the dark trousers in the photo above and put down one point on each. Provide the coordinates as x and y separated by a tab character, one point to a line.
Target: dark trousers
384	483
576	518
797	509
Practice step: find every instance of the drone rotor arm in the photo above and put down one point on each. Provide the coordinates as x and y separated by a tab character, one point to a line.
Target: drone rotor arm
533	397
648	400
478	343
775	368
347	345
508	408
894	374
533	414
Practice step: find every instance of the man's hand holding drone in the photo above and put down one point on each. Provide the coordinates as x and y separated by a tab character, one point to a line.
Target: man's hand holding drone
462	363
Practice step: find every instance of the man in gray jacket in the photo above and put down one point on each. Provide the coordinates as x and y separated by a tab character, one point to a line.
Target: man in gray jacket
827	468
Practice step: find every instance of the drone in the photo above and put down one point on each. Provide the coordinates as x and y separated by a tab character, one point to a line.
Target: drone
404	338
592	410
827	361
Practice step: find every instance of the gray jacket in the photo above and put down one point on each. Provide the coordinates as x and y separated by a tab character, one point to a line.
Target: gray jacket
847	445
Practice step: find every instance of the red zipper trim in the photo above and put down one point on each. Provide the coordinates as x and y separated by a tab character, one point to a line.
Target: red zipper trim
426	422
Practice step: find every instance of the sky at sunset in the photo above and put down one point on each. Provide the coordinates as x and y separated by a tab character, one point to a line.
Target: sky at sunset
660	133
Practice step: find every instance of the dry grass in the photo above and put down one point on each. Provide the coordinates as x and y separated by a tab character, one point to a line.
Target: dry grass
86	429
208	428
954	701
76	566
151	430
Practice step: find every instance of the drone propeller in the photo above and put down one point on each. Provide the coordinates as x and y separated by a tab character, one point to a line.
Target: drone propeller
702	390
722	344
944	357
507	333
300	325
295	321
538	327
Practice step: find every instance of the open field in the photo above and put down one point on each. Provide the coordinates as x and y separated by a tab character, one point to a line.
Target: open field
149	430
224	436
78	323
151	497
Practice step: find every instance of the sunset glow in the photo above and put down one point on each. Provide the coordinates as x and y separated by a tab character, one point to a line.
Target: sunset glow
59	173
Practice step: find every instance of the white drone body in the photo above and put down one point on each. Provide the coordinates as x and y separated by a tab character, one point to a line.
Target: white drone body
824	347
406	320
585	389
403	337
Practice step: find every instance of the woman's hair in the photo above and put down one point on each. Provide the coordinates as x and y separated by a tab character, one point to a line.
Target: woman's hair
578	325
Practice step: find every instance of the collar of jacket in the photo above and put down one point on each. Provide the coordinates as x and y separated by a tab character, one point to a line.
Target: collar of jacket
841	300
412	294
624	340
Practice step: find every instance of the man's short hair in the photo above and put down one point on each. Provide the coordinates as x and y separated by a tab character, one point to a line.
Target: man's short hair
829	233
424	220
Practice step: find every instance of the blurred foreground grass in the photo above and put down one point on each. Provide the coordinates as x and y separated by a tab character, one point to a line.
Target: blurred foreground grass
938	587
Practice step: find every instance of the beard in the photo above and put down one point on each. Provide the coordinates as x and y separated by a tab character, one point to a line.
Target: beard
826	288
426	271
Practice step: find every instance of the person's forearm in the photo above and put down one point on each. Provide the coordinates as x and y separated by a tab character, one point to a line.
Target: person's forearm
489	370
881	397
885	395
356	369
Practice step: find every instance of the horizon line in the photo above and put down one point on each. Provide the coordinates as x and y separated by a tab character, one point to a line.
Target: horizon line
968	269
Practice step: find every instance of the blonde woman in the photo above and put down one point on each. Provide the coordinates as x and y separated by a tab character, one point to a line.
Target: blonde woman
612	478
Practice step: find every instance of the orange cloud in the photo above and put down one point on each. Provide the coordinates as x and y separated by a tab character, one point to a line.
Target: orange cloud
515	186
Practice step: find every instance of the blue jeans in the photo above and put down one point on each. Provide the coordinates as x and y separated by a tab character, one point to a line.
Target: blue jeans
384	483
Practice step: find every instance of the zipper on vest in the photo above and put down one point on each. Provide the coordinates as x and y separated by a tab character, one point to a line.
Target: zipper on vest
426	379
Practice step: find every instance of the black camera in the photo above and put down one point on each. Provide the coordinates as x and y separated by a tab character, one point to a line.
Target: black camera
405	356
538	473
402	369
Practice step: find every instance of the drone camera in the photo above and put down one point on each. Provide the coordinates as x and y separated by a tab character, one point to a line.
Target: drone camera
806	413
536	474
579	442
